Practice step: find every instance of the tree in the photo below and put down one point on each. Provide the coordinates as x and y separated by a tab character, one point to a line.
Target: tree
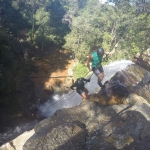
96	25
42	20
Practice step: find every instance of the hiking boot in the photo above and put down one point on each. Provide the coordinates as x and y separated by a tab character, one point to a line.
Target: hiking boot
100	84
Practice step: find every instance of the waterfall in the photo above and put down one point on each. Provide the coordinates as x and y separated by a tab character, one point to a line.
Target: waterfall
72	98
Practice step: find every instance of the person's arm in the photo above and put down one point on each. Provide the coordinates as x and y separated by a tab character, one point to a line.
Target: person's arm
106	53
88	62
73	85
87	80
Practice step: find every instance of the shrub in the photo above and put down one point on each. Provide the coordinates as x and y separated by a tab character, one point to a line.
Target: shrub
80	70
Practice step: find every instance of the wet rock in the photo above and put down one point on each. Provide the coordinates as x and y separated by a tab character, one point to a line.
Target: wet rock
134	79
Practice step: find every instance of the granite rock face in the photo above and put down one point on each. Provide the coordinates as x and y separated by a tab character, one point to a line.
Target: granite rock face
134	79
143	59
118	117
64	136
17	143
89	126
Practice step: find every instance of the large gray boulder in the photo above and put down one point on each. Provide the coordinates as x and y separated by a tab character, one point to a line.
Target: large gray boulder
101	124
89	126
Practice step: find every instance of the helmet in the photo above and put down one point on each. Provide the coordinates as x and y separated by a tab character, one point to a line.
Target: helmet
80	83
100	51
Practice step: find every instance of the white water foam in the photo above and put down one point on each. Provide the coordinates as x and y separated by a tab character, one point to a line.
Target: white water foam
111	69
57	102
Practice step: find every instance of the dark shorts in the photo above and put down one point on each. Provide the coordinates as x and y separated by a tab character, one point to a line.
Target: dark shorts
80	91
98	70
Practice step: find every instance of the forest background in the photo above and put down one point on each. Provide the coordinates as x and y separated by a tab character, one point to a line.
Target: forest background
31	28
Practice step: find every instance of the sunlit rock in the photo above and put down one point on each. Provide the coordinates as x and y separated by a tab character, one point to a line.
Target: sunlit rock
68	82
49	90
17	144
120	141
133	79
143	59
113	127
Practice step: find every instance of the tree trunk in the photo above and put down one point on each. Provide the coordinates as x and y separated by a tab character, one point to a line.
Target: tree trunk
32	36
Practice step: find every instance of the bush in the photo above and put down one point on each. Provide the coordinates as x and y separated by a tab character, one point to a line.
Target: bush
80	70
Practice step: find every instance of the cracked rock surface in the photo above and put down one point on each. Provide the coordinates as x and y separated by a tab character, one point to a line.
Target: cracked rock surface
89	126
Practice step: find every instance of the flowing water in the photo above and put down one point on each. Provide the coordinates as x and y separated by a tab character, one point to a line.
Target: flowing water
72	98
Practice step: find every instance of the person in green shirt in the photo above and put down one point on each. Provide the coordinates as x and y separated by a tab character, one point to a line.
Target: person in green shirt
96	59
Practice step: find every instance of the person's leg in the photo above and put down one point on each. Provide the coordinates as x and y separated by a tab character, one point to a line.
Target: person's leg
82	93
86	91
99	73
100	77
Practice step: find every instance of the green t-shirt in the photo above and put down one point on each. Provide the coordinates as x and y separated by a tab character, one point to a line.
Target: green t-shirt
96	61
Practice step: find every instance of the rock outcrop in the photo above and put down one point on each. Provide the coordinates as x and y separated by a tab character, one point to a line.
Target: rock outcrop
17	143
116	90
89	126
143	59
101	124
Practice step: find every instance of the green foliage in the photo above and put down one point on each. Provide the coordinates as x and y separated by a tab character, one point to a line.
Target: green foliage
43	20
42	17
80	70
91	28
73	6
107	39
98	25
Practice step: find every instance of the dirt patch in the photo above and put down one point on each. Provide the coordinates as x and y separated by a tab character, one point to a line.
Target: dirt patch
53	69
